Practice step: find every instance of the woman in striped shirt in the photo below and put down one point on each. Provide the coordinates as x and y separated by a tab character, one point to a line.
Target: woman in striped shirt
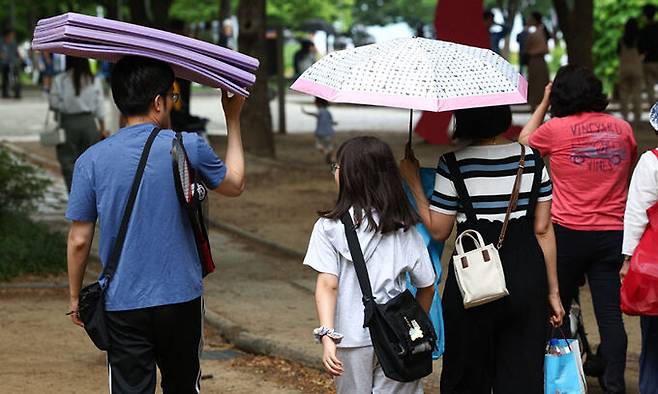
497	346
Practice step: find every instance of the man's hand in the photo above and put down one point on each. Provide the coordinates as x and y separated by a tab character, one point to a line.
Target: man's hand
73	310
232	105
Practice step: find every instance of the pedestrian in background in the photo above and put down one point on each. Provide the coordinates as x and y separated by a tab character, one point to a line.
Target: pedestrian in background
591	156
78	101
48	71
304	57
496	31
630	71
643	194
649	48
10	64
498	346
324	129
370	189
523	54
536	47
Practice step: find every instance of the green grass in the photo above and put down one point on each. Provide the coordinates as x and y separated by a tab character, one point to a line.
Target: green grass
27	247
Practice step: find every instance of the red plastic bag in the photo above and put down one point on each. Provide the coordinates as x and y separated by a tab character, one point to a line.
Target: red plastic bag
639	290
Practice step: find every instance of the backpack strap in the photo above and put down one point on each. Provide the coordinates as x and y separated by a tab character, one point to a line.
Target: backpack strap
460	186
113	262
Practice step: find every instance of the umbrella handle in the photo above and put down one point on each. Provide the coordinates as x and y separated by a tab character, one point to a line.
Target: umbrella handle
411	121
409	152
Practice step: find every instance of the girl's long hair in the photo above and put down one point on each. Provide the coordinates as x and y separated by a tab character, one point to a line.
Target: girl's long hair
370	182
81	72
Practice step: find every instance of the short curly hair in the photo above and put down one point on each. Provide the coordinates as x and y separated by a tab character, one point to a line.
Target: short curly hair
575	90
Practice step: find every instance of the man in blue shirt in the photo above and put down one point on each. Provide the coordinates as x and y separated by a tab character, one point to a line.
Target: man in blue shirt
153	302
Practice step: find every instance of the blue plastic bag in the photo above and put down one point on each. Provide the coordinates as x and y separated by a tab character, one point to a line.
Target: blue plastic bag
563	372
427	176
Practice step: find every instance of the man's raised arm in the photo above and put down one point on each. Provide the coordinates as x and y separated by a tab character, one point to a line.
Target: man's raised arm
234	182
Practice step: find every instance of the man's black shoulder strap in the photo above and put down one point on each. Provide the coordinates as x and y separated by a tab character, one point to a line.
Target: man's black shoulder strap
112	263
357	257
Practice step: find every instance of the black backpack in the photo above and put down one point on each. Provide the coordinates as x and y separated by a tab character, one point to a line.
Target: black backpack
402	334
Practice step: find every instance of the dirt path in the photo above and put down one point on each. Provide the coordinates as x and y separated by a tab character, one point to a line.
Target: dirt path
42	352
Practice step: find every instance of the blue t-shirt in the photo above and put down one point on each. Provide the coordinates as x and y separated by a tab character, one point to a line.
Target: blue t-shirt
159	263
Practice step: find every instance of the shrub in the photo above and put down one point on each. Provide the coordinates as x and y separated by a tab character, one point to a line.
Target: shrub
26	247
21	185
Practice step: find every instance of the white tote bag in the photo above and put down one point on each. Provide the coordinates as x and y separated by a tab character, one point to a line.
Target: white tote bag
52	134
479	272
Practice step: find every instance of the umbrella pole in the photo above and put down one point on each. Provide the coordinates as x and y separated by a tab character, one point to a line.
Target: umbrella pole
411	120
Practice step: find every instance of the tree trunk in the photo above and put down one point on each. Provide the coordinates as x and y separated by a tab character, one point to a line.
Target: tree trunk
512	10
138	13
112	7
225	11
577	25
160	13
256	119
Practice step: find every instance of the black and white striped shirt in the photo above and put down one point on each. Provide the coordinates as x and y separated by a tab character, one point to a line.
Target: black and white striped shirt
489	172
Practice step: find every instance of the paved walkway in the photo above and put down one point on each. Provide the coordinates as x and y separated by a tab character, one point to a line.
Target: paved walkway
22	120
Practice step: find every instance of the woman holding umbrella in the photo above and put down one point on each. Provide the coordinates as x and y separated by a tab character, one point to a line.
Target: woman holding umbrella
497	346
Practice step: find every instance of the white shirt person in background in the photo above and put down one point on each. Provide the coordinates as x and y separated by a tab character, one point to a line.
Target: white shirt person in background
642	195
78	100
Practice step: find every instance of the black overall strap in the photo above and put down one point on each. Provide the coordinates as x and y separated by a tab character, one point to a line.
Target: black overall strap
536	183
112	263
460	186
357	258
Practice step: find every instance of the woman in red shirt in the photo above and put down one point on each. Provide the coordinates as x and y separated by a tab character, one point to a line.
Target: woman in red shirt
591	155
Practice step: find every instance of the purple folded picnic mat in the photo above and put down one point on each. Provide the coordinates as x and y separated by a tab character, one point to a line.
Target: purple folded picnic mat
106	39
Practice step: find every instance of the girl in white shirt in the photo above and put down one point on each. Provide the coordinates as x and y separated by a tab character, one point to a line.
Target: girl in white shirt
77	98
643	194
370	188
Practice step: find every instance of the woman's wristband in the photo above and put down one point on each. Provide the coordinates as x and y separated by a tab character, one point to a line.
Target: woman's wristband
322	331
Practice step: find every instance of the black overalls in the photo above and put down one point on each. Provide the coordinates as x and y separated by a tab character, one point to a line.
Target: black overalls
499	345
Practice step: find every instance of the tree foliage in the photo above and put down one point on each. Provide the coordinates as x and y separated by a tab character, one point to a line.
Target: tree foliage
609	19
290	13
382	12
